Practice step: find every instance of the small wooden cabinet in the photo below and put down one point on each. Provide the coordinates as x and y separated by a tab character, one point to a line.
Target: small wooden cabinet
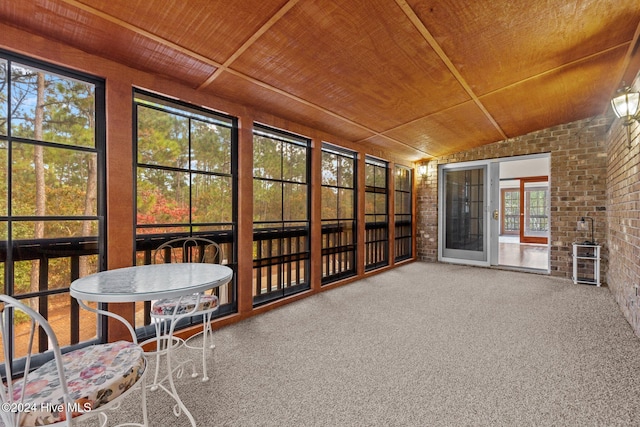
586	263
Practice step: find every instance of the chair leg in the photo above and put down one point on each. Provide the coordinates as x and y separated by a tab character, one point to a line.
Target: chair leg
210	330
143	398
205	334
162	349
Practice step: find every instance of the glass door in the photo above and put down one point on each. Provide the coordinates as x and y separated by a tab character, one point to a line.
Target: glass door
463	221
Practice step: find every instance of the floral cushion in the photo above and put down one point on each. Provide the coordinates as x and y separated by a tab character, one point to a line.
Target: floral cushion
95	376
167	306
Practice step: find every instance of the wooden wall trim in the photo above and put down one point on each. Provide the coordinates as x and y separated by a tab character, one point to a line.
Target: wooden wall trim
391	212
316	214
360	244
244	275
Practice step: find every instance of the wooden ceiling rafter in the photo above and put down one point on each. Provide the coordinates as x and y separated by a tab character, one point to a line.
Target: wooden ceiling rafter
412	80
225	67
144	33
422	29
324	110
250	41
556	69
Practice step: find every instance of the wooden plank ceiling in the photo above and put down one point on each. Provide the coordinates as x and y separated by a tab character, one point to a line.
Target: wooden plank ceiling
416	78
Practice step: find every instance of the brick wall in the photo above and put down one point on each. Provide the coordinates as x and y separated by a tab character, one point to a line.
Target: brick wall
577	184
623	216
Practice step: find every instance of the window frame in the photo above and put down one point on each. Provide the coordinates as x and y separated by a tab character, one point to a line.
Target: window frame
60	248
334	256
377	232
223	233
281	243
403	220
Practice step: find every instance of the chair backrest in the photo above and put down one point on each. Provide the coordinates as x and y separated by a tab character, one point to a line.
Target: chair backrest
15	316
188	249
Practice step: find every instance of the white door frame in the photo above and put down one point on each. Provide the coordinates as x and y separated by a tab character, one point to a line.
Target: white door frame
441	213
492	196
495	230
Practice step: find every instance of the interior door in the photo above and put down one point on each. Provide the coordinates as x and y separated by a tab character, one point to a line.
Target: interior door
463	219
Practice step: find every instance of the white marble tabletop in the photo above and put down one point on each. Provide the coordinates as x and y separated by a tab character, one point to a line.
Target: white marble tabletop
150	282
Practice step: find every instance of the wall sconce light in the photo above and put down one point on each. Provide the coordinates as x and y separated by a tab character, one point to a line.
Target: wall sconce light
583	226
422	170
626	105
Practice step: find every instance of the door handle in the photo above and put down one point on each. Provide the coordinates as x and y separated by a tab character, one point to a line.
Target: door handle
496	215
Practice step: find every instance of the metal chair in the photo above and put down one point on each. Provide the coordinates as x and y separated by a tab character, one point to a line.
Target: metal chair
69	387
166	312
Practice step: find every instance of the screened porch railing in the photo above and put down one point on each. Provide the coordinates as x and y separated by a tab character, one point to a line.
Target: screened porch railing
404	240
280	262
338	251
376	245
146	244
62	258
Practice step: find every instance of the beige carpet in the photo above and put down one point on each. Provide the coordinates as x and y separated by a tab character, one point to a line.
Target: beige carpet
422	345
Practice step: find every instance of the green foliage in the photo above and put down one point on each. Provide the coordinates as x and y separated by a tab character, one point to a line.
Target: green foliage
375	203
280	190
69	108
184	167
47	108
65	174
338	196
4	84
402	183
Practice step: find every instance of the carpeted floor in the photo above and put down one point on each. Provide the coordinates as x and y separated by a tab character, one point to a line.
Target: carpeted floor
422	345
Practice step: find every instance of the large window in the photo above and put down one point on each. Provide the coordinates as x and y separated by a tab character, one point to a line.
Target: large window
185	186
403	213
338	213
510	211
280	214
536	210
51	192
376	217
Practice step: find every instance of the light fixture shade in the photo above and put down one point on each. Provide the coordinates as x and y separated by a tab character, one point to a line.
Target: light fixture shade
582	225
626	105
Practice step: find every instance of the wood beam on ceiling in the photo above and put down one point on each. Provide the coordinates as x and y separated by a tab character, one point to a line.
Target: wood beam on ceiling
142	32
559	68
324	110
225	67
275	18
415	20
